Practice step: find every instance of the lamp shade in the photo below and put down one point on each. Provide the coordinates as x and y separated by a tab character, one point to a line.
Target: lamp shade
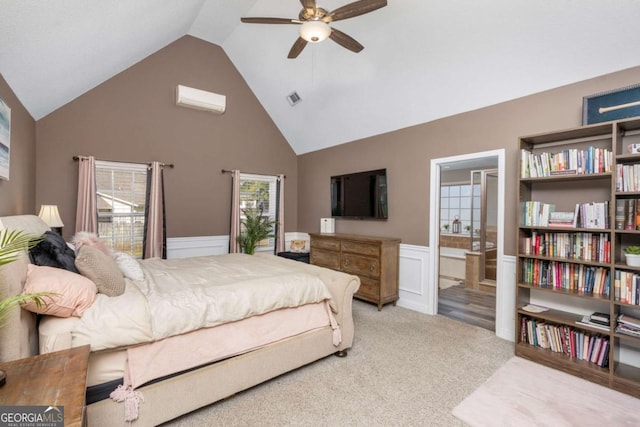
315	31
50	215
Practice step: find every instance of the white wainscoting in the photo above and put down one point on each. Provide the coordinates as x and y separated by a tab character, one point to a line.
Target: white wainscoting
183	247
414	268
506	300
415	289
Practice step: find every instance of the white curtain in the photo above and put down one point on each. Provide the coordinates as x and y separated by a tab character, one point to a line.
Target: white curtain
155	241
86	209
234	247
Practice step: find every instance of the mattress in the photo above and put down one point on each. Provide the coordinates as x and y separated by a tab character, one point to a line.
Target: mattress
186	351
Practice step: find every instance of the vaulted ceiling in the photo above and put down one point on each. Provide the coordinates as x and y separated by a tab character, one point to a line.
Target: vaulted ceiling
423	59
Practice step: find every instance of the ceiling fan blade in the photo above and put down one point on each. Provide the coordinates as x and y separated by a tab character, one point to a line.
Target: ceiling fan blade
308	4
345	41
297	48
269	21
356	8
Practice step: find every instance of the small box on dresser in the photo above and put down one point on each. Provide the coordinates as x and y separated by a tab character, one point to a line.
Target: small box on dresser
373	259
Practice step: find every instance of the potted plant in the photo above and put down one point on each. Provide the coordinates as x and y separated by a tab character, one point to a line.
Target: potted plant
632	255
254	228
446	228
12	243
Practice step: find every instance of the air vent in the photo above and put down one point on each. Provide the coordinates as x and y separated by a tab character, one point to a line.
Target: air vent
294	98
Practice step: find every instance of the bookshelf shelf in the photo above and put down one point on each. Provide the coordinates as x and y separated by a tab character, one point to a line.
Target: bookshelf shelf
628	158
571	293
554	229
556	316
568	260
564	363
623	304
598	198
631	338
569	177
627	372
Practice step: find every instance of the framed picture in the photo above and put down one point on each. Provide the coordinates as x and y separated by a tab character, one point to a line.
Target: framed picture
5	139
612	105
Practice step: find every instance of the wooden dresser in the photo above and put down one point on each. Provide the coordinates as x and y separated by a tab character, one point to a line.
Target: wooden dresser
373	259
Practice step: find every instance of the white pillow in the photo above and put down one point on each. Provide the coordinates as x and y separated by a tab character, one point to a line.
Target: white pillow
128	265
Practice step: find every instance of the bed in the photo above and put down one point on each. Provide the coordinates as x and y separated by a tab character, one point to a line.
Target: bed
197	358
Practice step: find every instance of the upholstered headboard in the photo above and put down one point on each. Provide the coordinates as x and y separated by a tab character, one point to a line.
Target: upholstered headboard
18	336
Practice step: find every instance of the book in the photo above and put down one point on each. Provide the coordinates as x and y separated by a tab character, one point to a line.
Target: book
619	214
629	216
629	321
586	321
602	318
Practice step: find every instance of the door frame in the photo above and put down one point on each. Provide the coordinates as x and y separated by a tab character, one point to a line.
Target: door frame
503	310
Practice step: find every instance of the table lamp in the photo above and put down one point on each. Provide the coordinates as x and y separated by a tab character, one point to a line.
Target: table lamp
50	215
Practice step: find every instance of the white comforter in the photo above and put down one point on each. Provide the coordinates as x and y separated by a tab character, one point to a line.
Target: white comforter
182	295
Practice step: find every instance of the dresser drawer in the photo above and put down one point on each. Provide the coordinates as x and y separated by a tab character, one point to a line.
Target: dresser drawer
360	265
369	288
361	248
330	244
325	258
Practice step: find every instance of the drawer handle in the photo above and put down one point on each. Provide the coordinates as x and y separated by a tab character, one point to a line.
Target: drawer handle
372	268
346	262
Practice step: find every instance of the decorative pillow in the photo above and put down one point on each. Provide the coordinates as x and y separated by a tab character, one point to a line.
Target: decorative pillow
89	239
53	251
298	246
73	293
129	266
101	269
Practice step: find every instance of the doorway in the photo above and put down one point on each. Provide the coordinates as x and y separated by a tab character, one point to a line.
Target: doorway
467	244
483	161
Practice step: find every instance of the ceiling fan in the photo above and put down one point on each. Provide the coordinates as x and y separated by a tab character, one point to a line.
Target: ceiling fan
314	23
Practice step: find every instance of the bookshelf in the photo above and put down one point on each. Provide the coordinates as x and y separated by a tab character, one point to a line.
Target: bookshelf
578	209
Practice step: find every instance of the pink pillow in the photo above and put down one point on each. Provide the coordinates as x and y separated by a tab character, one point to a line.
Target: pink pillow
89	239
76	293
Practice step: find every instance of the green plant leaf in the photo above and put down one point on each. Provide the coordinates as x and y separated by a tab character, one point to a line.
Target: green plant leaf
255	228
8	303
13	243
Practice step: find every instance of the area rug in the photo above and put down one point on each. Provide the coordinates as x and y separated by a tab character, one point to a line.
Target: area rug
522	393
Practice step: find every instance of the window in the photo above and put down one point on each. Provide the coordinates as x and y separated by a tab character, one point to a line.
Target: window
455	202
260	192
121	195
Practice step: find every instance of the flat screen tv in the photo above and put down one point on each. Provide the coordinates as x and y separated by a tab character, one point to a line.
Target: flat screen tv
360	195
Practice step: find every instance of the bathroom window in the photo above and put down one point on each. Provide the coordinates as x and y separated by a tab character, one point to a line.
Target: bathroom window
455	202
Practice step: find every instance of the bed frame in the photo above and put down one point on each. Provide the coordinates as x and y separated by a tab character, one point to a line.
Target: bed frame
181	394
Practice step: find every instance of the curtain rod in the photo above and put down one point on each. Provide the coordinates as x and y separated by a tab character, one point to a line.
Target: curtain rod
170	165
250	173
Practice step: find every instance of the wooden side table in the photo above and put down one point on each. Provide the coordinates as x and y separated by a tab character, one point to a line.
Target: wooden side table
54	379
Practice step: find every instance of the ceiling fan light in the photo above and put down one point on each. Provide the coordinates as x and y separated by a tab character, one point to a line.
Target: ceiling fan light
315	31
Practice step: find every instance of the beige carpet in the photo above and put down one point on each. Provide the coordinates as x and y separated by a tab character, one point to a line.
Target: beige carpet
523	393
405	369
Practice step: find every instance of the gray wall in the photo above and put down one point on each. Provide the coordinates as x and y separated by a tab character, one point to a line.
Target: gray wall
407	153
17	196
133	117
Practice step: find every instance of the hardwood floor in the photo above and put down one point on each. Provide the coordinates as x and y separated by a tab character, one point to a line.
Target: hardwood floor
468	305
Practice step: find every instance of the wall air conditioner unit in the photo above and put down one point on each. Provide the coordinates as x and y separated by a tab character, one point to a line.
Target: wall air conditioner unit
200	99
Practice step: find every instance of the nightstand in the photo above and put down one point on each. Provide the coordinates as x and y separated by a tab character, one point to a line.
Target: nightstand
296	256
52	379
